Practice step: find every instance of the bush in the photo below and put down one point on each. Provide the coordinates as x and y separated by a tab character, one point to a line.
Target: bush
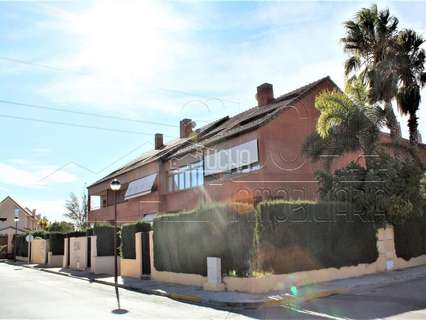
56	242
293	237
105	239
410	237
39	234
182	242
128	238
81	233
21	246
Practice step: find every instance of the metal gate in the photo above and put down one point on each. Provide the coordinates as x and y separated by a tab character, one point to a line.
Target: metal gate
146	262
3	246
89	249
68	252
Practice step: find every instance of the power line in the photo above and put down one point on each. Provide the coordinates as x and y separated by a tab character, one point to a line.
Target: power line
30	63
75	125
45	66
27	105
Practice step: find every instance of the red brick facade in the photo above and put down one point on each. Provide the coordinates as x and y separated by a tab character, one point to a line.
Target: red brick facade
282	172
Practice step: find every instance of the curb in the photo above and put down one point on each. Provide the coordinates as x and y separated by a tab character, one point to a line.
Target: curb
207	302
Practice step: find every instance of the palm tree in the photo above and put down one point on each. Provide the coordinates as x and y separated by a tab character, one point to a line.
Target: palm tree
410	69
347	123
370	40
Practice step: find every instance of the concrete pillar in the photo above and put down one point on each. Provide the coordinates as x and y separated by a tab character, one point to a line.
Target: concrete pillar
214	275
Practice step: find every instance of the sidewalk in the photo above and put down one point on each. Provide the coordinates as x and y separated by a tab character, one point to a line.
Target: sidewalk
247	300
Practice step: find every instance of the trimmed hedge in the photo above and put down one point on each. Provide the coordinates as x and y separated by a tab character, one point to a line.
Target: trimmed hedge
302	236
21	246
39	234
410	238
128	231
56	242
105	239
182	242
80	233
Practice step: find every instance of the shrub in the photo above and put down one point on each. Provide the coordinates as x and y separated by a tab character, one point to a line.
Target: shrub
80	233
182	242
56	242
21	246
294	237
105	239
39	234
410	237
128	238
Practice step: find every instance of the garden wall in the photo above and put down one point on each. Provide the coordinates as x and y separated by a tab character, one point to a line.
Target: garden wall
101	264
133	267
386	261
78	253
39	249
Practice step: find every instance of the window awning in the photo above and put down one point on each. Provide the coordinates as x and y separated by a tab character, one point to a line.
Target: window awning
140	187
232	158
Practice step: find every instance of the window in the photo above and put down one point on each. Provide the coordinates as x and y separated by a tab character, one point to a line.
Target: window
186	177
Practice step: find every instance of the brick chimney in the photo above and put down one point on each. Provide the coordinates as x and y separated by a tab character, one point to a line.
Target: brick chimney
185	128
158	141
265	94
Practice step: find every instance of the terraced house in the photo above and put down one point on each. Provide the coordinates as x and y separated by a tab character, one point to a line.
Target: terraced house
28	221
251	156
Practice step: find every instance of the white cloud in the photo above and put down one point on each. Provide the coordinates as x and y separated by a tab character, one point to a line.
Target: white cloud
52	209
26	174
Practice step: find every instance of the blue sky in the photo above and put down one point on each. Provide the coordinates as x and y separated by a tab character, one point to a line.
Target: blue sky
157	62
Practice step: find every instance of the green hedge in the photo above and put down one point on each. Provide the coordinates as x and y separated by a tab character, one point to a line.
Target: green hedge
128	238
56	242
182	242
306	236
80	233
21	246
39	234
410	237
105	239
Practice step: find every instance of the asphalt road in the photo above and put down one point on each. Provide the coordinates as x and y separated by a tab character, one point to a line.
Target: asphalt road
32	294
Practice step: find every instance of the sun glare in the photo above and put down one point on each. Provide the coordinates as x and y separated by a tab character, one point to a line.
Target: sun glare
123	39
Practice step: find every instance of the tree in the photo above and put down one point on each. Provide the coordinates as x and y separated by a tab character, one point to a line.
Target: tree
61	226
370	41
410	70
77	211
43	223
347	123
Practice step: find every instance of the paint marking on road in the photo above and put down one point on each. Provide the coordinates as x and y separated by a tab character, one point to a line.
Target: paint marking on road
314	313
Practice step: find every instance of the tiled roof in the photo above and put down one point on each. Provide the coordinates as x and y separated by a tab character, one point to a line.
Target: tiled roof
220	129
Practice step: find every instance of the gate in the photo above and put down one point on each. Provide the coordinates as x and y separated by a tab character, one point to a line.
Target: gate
3	246
89	249
68	253
146	262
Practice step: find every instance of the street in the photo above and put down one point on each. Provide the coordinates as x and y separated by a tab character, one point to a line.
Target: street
32	294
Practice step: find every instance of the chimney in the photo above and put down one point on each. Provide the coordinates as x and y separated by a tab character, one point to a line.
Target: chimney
419	137
398	129
185	128
158	141
265	94
34	212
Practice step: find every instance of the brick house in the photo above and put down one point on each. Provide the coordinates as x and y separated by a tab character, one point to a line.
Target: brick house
251	156
28	221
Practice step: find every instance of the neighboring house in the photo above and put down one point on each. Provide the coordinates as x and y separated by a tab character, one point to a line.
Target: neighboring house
28	221
251	156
